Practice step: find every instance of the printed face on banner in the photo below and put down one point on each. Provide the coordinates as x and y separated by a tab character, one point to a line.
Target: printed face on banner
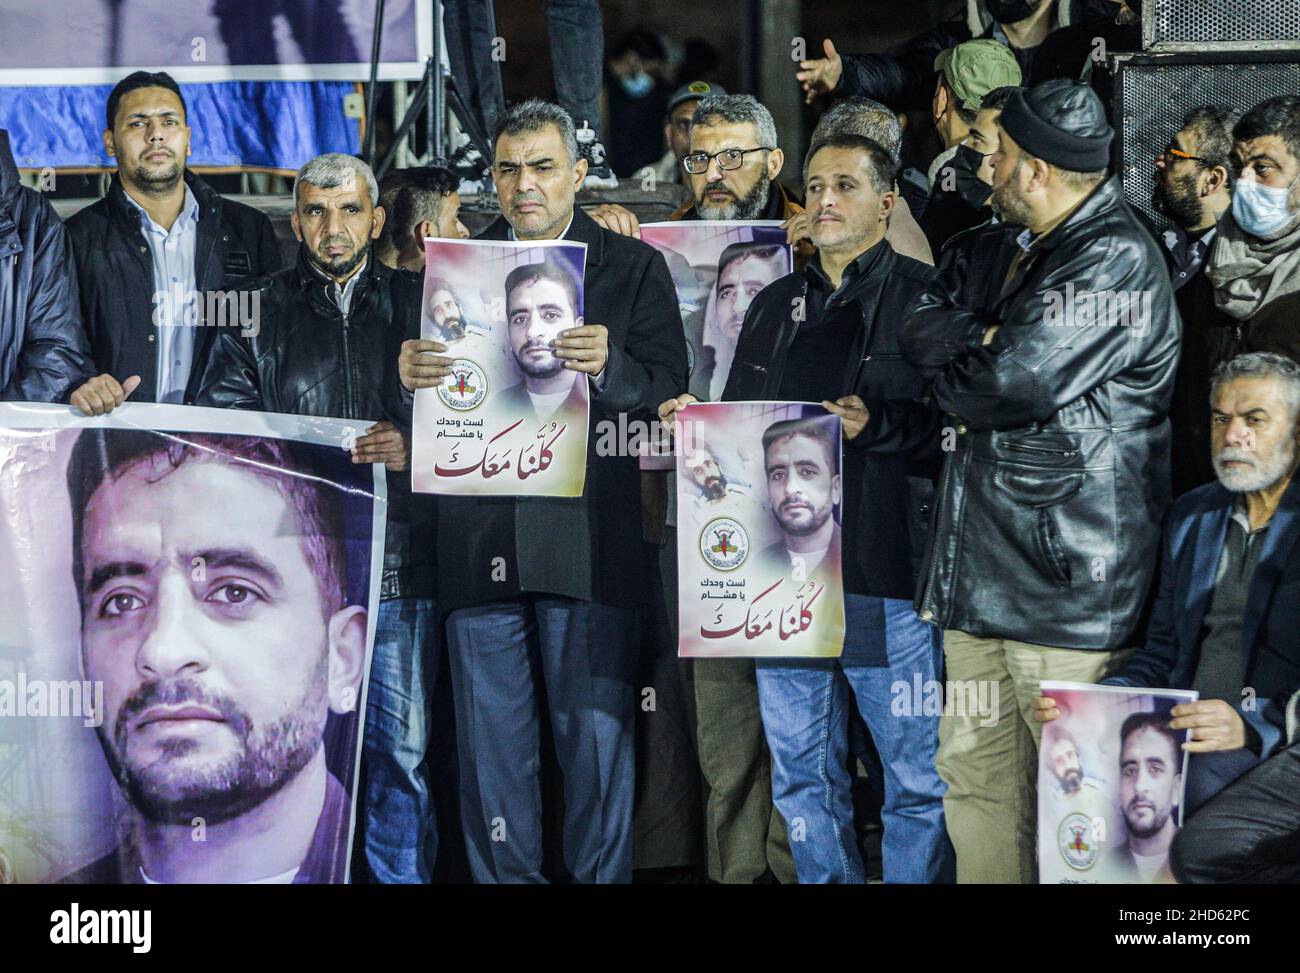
1110	785
510	419
222	584
718	268
758	532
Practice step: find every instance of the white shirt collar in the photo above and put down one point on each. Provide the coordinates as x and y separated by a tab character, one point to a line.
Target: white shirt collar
189	213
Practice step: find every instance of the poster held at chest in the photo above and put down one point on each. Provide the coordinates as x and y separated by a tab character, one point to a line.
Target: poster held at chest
717	266
1111	779
510	419
190	606
758	530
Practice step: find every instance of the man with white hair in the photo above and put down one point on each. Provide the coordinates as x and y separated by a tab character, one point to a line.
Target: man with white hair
328	331
1226	615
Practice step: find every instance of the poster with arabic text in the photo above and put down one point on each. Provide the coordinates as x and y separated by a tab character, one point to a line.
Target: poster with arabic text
510	419
759	498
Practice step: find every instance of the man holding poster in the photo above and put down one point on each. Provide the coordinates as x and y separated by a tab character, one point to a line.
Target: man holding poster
1224	621
852	297
330	328
546	594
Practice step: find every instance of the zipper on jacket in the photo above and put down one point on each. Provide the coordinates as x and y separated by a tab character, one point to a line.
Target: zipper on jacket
1026	448
347	372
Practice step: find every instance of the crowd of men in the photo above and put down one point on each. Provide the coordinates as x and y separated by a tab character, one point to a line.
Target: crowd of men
1069	451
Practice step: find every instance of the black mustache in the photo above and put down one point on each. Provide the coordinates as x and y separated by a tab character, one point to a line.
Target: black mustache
175	692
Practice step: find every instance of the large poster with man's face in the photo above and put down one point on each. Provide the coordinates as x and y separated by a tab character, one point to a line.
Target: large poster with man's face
511	417
717	268
1111	775
759	497
189	604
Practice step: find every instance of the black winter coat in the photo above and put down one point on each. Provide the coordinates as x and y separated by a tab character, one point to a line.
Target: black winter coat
1047	515
43	351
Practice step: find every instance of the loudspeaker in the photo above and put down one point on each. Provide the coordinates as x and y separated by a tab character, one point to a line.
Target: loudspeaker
1155	91
1220	25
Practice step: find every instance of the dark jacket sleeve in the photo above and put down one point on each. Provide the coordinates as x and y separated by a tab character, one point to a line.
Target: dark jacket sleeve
909	429
650	366
269	259
230	379
407	291
938	326
55	355
903	78
1034	367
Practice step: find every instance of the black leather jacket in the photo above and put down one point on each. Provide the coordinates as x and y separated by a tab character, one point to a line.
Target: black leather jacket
886	493
1047	515
309	359
44	355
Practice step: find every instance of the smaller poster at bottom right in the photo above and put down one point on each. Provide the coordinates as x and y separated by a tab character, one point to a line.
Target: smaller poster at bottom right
1111	777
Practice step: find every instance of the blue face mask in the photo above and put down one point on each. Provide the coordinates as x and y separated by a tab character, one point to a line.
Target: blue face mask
1261	210
639	85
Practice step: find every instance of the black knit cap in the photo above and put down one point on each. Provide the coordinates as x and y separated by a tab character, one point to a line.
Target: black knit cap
1062	122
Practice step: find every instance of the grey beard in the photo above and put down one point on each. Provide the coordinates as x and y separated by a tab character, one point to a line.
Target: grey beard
748	208
1265	473
1008	205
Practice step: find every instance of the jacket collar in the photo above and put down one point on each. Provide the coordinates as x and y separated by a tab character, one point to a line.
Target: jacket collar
1103	199
208	199
316	285
583	229
1211	534
879	259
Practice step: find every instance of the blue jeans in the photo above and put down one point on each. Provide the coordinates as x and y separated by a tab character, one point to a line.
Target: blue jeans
805	707
401	834
507	660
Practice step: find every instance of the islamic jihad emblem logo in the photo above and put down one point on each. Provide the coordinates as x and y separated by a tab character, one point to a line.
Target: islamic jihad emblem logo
724	544
465	388
1075	839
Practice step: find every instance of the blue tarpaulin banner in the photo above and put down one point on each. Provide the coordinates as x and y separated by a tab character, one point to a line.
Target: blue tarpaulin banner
264	124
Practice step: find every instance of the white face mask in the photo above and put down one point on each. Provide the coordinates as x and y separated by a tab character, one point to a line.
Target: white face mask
1261	210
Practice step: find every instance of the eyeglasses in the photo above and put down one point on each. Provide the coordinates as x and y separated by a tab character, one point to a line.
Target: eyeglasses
698	162
1170	153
